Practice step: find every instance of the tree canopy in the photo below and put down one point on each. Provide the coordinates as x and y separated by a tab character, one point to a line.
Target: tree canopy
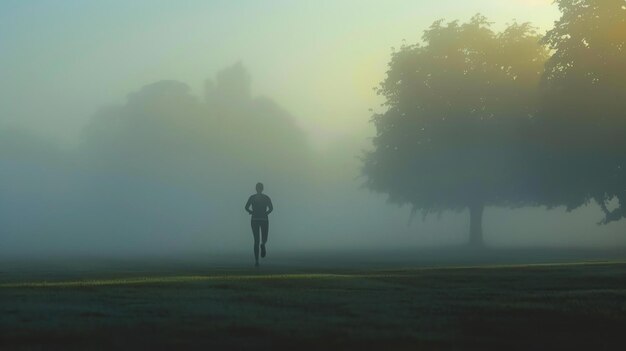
582	124
458	108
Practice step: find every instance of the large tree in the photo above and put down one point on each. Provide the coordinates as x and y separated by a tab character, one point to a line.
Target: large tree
582	123
458	107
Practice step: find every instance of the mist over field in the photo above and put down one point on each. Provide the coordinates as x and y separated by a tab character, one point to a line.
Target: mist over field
147	134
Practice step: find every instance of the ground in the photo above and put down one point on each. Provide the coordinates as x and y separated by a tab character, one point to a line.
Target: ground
558	305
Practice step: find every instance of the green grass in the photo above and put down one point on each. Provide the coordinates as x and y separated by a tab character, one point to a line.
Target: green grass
539	306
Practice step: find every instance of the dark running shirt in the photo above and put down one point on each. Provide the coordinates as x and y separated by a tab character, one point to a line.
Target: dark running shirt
261	206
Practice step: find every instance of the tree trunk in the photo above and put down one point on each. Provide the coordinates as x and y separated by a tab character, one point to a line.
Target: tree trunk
476	224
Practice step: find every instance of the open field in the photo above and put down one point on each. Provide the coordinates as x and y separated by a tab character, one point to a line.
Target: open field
580	305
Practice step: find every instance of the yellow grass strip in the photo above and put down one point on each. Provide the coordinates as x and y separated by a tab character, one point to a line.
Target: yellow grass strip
397	273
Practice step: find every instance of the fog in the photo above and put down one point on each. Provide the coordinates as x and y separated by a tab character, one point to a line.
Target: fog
151	151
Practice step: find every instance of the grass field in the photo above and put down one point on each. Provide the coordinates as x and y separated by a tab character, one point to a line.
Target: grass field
505	306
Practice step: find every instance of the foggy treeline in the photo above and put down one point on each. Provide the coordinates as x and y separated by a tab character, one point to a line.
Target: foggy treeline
169	169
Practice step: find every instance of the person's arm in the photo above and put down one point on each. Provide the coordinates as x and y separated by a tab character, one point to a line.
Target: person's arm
248	204
270	207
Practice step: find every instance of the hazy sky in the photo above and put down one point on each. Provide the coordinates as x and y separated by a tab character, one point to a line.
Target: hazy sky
61	60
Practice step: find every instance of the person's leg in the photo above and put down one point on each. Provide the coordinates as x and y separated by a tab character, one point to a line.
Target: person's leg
265	226
255	232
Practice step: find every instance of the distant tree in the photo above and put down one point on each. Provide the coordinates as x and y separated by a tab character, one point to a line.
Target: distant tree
583	117
457	108
168	164
163	130
254	130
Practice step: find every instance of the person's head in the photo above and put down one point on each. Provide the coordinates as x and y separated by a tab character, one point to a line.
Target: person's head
259	188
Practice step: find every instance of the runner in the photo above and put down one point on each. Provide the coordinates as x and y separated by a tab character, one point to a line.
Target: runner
261	207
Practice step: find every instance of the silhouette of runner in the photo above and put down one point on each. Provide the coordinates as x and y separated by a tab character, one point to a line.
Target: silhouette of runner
261	206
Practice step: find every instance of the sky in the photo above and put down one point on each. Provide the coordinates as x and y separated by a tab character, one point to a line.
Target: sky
62	60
